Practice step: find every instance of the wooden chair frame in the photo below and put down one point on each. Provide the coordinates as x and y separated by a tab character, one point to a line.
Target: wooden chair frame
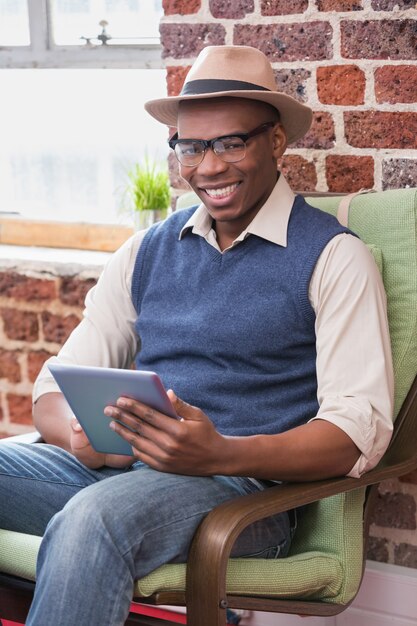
206	598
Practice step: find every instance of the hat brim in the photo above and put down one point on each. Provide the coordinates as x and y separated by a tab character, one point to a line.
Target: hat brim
296	118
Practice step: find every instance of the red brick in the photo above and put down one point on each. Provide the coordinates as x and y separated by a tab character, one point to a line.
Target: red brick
339	5
396	83
378	39
381	129
395	510
392	5
283	7
35	361
405	554
9	366
72	291
20	325
175	79
181	7
346	174
399	173
341	84
174	174
377	550
187	40
308	41
20	408
321	134
231	10
14	285
293	82
300	173
57	328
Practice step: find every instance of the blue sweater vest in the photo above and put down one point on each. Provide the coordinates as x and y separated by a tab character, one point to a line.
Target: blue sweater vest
233	333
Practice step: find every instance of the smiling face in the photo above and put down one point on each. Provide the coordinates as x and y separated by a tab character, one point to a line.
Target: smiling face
233	193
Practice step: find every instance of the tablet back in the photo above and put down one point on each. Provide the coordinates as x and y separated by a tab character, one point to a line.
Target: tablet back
89	389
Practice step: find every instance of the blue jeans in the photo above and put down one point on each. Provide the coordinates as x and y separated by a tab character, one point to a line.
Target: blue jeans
105	528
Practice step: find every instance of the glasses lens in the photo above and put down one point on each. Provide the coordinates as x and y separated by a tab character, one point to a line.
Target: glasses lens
189	152
230	149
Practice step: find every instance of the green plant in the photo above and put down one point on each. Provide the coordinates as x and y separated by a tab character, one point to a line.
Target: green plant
148	187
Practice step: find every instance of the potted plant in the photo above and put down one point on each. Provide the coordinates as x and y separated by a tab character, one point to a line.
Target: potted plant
147	194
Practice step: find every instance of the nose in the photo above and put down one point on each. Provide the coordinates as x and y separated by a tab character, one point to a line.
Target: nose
212	164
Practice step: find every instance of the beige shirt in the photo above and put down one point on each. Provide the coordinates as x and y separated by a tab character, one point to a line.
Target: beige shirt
354	367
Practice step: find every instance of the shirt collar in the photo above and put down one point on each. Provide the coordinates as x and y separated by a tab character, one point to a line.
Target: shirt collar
270	223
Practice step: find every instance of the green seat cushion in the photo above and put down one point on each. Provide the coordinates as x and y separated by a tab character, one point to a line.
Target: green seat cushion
313	575
18	554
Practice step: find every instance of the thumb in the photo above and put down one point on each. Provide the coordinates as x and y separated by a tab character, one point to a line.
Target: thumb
183	409
75	425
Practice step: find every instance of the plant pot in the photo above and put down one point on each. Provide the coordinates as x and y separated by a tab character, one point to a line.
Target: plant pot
145	219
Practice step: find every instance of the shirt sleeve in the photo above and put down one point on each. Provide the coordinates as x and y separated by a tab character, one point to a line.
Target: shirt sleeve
106	335
354	364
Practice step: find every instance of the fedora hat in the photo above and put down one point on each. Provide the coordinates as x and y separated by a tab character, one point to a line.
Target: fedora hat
238	72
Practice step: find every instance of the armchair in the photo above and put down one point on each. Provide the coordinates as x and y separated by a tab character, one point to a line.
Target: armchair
323	571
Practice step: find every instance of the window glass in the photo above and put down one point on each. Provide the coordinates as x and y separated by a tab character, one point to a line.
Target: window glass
126	21
68	138
14	23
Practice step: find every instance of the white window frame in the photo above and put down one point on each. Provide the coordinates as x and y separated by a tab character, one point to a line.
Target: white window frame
44	53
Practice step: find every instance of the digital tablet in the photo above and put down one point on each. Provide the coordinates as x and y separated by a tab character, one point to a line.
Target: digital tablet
89	389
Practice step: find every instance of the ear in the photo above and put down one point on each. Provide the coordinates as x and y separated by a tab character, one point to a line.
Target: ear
279	141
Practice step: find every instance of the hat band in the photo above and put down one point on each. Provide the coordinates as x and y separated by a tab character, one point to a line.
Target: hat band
213	85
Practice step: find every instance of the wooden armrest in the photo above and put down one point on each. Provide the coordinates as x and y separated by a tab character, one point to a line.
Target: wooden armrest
33	437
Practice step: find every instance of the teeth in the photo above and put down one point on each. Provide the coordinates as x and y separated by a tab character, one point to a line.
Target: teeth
224	191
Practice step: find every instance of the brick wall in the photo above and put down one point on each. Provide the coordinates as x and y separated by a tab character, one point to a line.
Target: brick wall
40	304
353	61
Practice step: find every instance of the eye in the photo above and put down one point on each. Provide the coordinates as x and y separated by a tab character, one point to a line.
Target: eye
190	148
231	144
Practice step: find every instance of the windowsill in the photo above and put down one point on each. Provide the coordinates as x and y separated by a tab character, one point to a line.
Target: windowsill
10	254
55	261
18	231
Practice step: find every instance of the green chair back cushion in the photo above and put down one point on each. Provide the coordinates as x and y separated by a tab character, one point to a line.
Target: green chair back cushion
386	221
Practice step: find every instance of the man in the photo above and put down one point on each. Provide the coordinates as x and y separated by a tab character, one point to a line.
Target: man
252	309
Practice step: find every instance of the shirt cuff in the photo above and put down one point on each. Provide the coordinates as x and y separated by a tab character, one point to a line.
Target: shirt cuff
356	417
45	382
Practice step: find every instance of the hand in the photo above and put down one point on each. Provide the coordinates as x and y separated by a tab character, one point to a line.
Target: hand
190	445
82	449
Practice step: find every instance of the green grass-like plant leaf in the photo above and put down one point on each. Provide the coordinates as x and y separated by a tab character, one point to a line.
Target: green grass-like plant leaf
148	187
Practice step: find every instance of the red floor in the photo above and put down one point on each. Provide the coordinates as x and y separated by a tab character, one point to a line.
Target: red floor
175	618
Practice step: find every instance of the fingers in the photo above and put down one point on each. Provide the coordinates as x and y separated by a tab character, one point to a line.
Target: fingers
137	416
75	425
183	409
149	445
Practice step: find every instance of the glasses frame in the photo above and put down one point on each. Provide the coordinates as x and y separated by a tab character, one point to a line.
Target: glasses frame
209	143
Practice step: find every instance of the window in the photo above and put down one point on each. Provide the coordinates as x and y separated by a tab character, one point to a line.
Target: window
72	127
14	23
128	21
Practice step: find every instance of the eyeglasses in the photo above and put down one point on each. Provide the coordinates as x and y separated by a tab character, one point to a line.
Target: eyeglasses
229	148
